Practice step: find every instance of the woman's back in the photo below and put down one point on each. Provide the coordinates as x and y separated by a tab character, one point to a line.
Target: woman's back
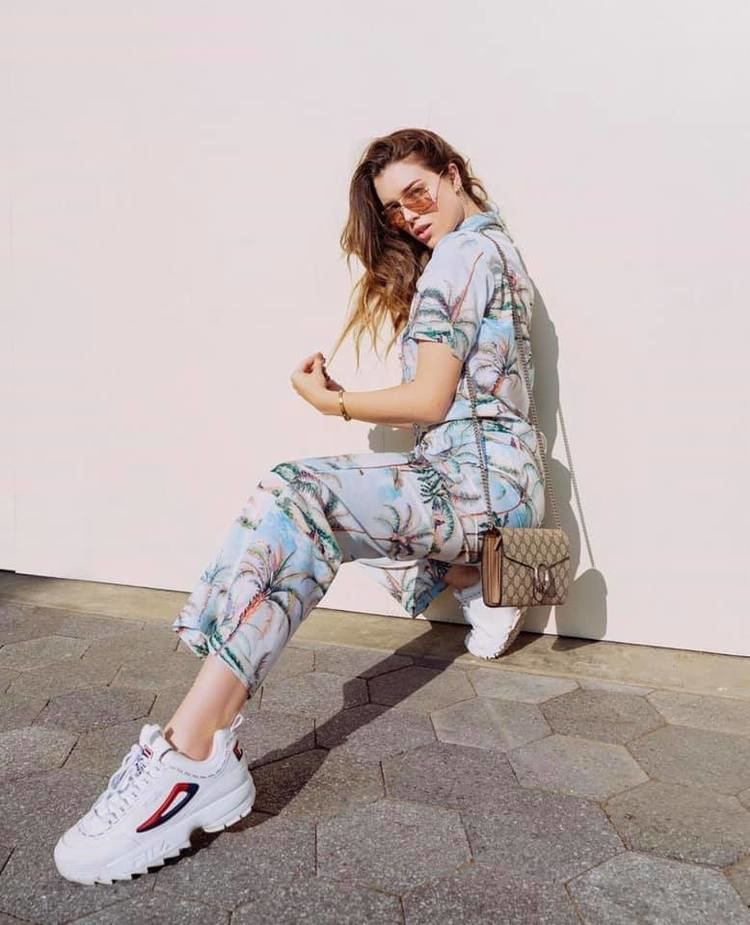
464	298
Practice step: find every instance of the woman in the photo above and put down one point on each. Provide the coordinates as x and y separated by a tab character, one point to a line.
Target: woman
441	268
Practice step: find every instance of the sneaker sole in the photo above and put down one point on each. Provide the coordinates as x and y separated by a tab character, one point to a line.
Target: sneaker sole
139	861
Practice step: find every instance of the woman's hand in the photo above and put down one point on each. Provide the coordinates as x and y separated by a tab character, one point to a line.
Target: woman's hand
331	384
312	382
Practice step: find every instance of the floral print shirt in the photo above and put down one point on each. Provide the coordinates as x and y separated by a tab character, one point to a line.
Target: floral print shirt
464	299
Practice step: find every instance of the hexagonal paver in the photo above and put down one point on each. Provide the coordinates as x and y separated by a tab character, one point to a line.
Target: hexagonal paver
158	671
420	690
153	908
79	711
31	749
358	663
516	685
19	622
102	750
133	646
372	731
391	846
291	664
6	676
581	767
597	684
32	889
696	757
36	810
250	860
605	715
36	653
739	876
322	902
58	678
86	625
490	723
686	823
317	784
541	836
716	713
452	826
268	736
449	775
637	888
316	694
475	895
17	710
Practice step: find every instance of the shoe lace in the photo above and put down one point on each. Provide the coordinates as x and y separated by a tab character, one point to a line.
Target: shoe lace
125	785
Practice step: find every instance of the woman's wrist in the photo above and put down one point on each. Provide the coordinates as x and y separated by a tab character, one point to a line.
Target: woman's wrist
342	407
331	403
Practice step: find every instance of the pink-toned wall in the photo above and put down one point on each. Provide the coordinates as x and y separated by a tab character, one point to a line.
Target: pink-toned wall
174	184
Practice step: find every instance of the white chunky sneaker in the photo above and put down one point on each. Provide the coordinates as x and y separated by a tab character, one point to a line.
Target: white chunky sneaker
152	803
493	629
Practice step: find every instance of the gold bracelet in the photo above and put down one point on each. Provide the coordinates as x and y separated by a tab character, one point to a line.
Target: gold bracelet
347	417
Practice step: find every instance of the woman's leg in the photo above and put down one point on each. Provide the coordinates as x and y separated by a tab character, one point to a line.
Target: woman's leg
215	698
217	693
303	520
516	498
462	576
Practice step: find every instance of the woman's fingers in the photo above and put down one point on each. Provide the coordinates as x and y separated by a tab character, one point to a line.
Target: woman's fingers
306	366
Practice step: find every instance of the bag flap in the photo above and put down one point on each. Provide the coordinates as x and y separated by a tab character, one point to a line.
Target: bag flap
533	546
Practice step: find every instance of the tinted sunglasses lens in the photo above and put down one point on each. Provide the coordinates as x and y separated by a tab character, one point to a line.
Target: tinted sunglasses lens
395	217
417	200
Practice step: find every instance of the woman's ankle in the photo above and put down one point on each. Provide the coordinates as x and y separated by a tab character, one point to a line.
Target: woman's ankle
193	747
213	701
462	576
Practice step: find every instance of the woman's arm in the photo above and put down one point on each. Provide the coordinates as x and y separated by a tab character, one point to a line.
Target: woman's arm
398	405
424	400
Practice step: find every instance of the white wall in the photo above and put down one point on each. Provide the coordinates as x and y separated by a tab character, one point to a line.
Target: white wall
178	177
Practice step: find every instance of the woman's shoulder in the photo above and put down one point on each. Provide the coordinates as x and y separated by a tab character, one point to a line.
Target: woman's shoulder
455	254
483	236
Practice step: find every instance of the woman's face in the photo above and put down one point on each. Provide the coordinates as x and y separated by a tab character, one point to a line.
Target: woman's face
400	178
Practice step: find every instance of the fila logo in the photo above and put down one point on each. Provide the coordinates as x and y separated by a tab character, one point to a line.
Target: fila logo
174	802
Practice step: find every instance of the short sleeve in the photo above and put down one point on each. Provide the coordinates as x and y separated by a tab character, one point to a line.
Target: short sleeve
452	294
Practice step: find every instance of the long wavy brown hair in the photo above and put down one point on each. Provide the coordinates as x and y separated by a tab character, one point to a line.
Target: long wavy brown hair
392	260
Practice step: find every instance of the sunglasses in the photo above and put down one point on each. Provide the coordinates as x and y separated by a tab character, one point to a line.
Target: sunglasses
418	199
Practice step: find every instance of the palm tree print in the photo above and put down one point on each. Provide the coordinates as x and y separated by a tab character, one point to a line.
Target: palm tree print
418	511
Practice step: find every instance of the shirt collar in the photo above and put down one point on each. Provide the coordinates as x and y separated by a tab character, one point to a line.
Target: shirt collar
479	220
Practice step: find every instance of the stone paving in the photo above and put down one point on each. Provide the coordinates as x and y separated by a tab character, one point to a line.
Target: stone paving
391	788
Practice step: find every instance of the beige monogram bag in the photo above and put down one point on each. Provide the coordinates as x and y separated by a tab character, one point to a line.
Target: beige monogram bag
521	566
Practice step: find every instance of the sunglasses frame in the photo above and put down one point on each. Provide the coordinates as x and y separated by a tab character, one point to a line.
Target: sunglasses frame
394	214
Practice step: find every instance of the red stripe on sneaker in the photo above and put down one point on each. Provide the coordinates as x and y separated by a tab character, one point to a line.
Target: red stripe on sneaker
159	816
237	750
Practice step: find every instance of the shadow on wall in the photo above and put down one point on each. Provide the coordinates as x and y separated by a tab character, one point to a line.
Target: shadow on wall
584	613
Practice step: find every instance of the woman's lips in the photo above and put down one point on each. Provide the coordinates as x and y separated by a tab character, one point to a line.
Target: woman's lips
423	235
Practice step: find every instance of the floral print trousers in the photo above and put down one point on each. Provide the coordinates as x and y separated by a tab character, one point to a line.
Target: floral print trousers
305	517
